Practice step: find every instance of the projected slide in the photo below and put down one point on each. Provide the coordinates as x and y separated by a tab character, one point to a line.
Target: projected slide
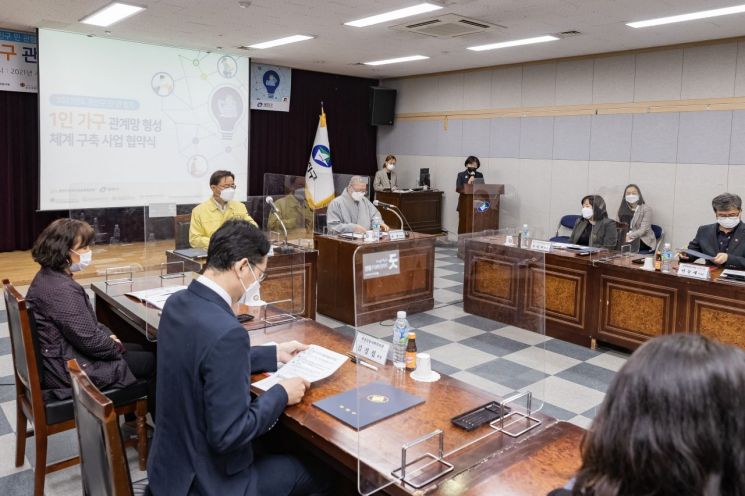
130	124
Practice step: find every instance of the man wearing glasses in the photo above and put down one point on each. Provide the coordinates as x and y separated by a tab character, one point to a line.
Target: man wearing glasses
208	216
724	240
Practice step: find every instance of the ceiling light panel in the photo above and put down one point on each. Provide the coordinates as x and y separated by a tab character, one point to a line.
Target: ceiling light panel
111	14
393	15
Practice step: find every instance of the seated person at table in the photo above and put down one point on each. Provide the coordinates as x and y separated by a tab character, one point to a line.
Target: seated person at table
385	178
638	216
469	175
671	424
293	208
594	229
205	361
352	211
210	214
66	322
725	239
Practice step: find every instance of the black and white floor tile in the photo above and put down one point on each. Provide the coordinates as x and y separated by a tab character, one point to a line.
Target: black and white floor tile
569	380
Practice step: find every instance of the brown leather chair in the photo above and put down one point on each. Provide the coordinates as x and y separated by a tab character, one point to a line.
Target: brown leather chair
52	417
103	462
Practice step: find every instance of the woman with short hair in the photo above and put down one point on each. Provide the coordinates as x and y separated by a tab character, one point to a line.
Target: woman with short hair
66	323
594	228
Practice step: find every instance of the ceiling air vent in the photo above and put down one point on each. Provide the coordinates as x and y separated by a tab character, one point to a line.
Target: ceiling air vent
447	26
568	34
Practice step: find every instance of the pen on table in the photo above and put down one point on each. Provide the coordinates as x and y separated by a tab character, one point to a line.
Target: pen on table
361	362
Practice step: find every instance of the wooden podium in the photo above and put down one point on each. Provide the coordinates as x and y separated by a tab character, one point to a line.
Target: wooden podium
478	207
423	209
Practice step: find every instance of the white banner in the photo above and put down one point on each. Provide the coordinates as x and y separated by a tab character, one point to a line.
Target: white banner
18	62
270	87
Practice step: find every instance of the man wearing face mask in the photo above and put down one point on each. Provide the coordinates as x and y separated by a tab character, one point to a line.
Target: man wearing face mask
293	208
211	214
352	211
385	178
725	239
66	323
205	361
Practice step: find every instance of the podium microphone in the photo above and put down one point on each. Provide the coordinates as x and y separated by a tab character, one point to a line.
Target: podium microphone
391	208
270	201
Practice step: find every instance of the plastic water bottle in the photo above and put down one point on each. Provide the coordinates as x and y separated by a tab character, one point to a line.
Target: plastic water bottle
376	230
666	258
524	235
400	339
117	234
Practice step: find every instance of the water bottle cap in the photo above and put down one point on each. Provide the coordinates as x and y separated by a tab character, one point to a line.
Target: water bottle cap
666	245
525	225
401	314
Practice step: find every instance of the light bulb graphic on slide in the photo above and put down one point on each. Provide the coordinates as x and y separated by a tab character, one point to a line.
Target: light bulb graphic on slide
271	82
226	105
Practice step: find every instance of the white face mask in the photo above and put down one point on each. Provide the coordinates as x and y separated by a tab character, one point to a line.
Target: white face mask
632	198
227	194
587	212
85	260
358	195
300	194
728	222
391	166
253	288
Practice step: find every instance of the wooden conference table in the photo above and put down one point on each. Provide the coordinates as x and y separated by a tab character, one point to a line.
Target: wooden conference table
286	273
347	290
585	300
532	464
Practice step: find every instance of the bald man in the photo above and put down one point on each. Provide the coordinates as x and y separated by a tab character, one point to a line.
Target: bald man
352	211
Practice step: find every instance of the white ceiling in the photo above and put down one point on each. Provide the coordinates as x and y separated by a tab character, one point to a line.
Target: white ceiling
208	24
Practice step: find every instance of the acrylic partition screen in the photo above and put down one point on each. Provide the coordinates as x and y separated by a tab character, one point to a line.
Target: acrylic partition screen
415	424
293	213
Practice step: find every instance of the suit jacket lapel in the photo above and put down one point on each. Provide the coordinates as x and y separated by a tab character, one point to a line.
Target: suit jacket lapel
737	237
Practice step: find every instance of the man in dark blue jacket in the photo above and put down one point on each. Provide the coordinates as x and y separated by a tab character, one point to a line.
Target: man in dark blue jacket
723	240
208	421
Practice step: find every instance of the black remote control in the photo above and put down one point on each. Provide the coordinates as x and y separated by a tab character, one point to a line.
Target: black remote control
479	416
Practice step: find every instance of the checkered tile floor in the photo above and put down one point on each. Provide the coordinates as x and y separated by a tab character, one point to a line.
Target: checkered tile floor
569	380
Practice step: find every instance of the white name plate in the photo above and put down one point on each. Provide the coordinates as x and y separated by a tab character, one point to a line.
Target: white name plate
694	271
371	348
538	245
396	234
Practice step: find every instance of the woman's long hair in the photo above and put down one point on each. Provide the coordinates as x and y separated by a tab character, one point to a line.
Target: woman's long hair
623	209
672	423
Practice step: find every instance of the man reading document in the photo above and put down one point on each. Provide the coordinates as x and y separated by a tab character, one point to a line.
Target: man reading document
205	444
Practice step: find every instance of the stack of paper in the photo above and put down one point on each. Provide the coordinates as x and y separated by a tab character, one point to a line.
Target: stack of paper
313	364
157	296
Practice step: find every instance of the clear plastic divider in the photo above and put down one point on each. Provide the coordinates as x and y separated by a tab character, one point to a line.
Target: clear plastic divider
413	424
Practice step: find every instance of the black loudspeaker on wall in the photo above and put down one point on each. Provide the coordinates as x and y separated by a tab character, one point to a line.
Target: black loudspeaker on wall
382	106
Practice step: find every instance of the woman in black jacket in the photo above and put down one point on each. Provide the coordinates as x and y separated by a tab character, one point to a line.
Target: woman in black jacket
595	228
66	322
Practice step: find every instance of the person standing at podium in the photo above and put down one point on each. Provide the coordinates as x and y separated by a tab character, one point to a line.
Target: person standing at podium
209	215
385	178
352	211
469	175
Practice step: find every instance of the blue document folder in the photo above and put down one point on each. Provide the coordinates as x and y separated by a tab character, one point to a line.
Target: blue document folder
363	406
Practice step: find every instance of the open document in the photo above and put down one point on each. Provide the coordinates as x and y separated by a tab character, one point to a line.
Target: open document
157	296
313	364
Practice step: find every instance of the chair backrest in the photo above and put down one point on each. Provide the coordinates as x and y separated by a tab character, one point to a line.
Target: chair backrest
658	231
103	462
26	360
182	223
568	221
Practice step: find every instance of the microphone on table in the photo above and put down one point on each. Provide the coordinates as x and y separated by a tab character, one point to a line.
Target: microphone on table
391	208
270	201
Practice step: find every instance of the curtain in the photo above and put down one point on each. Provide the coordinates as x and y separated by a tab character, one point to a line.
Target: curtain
20	222
281	141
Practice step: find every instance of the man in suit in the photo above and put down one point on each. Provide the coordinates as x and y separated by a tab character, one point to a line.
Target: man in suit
204	443
725	239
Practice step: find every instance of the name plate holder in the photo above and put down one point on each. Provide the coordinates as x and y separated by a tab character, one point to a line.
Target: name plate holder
411	472
396	234
366	346
530	421
694	271
538	245
110	274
